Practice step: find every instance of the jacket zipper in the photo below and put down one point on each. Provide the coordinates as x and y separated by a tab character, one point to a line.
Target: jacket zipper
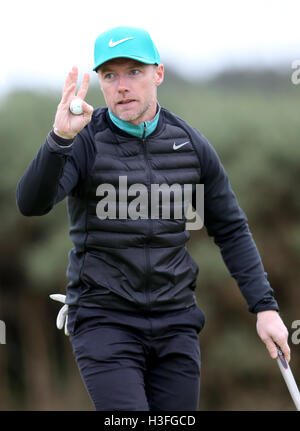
149	235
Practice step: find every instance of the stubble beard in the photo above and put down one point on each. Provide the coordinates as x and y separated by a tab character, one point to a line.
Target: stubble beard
130	117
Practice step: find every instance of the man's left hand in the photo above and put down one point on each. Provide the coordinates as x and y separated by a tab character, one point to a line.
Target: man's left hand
271	330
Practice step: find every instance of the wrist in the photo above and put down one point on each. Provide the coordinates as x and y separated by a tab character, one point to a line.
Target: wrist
62	142
264	313
62	134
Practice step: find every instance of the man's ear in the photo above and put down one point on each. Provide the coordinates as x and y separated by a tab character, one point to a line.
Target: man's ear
159	74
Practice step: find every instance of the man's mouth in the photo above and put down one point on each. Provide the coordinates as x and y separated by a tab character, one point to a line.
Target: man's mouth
125	101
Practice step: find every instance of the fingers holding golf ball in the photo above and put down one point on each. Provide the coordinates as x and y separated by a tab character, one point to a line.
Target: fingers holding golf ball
69	123
79	106
76	106
73	113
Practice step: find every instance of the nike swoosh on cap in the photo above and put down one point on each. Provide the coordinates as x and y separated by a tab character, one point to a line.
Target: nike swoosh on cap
175	147
111	44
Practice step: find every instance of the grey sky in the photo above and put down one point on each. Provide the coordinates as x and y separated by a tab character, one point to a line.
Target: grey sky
41	41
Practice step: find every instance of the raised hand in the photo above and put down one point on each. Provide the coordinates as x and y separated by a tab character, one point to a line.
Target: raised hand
66	124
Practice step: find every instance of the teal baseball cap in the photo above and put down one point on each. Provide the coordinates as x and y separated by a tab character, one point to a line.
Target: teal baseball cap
128	42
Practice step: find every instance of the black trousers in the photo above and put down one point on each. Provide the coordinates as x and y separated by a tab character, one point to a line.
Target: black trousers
138	362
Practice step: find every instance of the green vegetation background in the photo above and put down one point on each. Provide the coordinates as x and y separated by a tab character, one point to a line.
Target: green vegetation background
252	119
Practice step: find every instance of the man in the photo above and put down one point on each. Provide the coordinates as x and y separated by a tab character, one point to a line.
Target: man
133	319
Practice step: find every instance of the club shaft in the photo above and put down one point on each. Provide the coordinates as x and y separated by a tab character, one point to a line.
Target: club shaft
290	382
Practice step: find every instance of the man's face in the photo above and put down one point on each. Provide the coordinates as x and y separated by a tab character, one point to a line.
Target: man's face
130	88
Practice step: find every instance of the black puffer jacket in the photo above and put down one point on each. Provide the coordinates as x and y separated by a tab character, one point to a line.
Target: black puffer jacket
143	264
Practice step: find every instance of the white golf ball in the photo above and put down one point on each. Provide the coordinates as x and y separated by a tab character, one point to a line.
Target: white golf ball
76	107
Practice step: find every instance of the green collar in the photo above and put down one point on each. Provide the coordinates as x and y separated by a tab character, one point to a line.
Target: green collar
136	129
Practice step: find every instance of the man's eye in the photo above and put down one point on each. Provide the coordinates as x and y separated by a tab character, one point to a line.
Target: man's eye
108	76
134	72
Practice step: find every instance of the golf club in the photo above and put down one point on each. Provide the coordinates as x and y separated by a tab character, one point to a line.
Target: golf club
288	377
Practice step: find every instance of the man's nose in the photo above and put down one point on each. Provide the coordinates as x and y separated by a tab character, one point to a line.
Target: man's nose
123	84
